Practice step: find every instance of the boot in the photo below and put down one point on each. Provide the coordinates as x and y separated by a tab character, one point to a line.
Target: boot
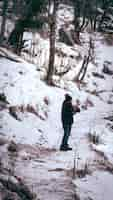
69	148
65	148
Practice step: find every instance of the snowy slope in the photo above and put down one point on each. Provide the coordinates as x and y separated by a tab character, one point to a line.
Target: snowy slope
38	108
21	84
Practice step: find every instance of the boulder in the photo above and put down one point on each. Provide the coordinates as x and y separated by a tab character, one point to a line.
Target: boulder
106	68
12	147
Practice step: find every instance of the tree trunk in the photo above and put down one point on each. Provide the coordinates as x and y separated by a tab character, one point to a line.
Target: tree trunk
16	36
85	68
15	6
77	37
95	18
81	74
77	21
52	54
77	78
52	25
4	10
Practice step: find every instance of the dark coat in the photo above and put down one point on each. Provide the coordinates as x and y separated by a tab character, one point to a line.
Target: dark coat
67	113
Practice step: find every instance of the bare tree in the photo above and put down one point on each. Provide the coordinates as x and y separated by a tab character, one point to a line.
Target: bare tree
87	58
4	17
77	9
53	5
81	10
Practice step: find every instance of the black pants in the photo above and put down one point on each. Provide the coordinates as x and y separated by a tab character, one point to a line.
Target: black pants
67	131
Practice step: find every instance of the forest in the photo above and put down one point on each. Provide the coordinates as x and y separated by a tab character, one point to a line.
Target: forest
56	52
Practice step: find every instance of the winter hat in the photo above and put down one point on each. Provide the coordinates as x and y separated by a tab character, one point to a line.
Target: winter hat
68	97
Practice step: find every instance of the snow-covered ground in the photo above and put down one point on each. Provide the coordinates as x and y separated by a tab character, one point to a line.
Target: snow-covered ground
38	110
98	186
20	81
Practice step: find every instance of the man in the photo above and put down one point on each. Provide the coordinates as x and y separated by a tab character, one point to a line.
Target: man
67	113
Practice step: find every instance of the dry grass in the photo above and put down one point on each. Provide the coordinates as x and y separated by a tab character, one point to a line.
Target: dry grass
94	138
108	39
79	173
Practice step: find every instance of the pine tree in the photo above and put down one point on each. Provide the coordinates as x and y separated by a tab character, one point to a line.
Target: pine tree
31	8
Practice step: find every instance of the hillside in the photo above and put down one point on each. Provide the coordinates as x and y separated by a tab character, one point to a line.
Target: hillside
30	120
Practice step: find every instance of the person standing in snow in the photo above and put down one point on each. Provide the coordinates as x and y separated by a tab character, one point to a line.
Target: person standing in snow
67	112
